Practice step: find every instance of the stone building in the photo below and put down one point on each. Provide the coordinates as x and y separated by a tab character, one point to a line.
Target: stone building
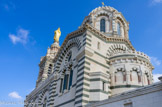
147	96
94	63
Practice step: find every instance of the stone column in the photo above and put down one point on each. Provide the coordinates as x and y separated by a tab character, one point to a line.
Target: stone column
114	28
142	78
127	77
112	79
67	73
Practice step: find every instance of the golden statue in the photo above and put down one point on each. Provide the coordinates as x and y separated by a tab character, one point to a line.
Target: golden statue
103	3
57	35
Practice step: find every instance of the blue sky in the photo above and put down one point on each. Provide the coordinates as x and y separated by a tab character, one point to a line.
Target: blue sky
27	29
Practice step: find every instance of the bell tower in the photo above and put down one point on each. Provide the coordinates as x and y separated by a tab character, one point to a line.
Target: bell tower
46	64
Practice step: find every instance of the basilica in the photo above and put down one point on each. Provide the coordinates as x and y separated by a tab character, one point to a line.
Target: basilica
95	65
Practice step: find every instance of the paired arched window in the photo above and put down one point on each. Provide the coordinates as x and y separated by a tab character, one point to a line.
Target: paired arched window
102	25
66	82
119	29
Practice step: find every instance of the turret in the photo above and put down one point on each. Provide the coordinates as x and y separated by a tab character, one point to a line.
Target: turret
129	70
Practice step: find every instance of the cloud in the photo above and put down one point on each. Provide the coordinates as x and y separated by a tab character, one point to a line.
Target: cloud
14	95
20	37
156	2
156	76
155	61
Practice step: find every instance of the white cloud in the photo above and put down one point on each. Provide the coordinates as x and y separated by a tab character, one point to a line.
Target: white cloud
155	61
14	95
21	36
156	2
156	76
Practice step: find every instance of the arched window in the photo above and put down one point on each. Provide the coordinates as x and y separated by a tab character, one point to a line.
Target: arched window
135	77
102	25
45	102
50	69
146	79
119	77
66	79
71	78
119	29
61	85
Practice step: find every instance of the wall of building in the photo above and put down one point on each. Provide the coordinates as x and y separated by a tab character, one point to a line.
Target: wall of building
96	61
148	96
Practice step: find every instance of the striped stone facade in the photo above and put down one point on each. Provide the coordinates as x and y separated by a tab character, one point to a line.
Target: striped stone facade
90	65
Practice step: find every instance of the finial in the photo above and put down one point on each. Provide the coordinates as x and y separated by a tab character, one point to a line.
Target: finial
57	35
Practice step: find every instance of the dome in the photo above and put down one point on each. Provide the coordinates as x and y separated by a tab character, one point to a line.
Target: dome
108	8
109	21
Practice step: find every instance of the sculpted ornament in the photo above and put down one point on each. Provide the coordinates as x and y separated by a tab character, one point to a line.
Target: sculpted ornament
57	35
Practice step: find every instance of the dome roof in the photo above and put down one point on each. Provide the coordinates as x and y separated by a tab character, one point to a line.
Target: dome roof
111	9
104	10
112	18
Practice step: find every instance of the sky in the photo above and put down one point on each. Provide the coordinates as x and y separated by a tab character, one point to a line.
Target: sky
27	29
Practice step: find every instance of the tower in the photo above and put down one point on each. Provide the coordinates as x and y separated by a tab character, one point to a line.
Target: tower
46	63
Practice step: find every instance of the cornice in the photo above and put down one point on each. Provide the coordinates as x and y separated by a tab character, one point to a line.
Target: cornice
131	60
128	52
130	57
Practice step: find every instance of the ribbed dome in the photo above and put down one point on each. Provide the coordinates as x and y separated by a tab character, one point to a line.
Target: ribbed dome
111	9
109	21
